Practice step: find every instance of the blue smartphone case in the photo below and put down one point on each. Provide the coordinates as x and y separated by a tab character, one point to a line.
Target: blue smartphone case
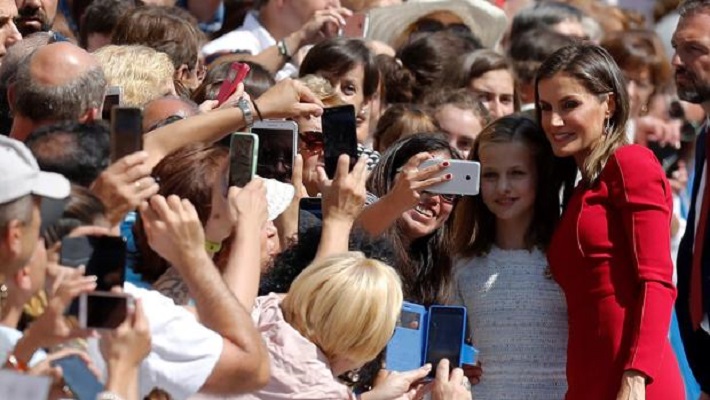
79	378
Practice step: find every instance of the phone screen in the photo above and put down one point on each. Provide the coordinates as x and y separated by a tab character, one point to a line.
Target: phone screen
110	101
339	136
103	311
275	160
126	132
445	337
241	159
103	256
79	378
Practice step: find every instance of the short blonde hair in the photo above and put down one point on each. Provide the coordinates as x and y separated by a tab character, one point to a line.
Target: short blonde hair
144	73
347	305
322	89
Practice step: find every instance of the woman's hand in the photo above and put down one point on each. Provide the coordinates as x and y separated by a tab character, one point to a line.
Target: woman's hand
287	99
449	385
397	385
410	180
344	196
130	343
247	206
633	386
174	229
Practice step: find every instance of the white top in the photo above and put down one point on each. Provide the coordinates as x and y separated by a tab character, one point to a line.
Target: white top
183	352
251	37
518	320
9	338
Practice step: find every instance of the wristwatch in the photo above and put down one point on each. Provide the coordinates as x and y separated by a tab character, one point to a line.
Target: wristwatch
244	105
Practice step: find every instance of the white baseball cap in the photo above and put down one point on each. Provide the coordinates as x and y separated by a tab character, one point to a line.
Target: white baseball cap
20	175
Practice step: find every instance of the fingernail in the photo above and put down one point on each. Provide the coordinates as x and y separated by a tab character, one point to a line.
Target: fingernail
448	176
445	163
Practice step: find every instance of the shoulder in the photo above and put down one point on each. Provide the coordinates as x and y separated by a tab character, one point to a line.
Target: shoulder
633	172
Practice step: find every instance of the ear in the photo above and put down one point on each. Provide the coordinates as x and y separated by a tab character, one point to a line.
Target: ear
12	238
89	115
22	279
182	73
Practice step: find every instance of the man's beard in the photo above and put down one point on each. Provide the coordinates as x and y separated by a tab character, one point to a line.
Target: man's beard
692	90
29	14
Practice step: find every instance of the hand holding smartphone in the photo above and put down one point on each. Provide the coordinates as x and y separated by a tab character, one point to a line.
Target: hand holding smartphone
79	378
339	136
465	177
104	310
243	151
237	73
278	141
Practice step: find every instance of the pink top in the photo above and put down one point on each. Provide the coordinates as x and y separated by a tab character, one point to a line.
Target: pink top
299	370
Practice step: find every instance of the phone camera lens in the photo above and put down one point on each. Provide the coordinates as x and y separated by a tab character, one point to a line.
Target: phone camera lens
468	177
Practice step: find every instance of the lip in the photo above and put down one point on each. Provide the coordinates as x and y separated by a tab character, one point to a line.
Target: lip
419	217
506	201
33	22
562	137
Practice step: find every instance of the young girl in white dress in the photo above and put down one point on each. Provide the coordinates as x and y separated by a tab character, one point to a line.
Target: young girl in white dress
517	313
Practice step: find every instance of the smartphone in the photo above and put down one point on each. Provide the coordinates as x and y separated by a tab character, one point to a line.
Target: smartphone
356	26
465	177
310	212
103	256
79	378
113	98
339	136
405	351
243	152
236	75
103	310
278	141
446	331
126	132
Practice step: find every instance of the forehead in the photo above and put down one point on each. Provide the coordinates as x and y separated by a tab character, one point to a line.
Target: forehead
695	27
499	154
495	81
560	85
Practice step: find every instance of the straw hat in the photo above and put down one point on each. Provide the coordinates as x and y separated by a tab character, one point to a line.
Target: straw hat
485	20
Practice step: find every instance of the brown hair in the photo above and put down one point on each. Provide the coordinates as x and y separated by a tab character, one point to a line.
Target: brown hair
402	120
190	173
477	63
475	225
462	99
639	49
162	29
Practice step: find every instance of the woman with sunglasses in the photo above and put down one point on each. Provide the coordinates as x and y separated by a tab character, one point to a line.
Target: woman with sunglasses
415	220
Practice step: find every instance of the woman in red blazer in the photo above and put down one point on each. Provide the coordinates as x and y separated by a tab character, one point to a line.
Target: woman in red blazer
611	250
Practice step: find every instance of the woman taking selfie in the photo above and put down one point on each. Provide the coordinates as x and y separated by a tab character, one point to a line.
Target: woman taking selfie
611	250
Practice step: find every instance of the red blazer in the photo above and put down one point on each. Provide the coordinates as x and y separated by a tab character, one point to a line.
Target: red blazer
611	256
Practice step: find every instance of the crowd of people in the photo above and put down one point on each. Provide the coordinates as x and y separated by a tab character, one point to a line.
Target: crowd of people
581	262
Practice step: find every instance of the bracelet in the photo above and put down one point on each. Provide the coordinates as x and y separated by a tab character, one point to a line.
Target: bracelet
283	50
16	364
256	108
212	247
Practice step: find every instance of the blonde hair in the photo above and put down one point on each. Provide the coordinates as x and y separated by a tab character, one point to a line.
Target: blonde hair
347	305
322	88
142	72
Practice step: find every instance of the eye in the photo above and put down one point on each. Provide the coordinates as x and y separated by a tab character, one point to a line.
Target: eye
348	89
570	104
489	175
506	99
544	107
518	172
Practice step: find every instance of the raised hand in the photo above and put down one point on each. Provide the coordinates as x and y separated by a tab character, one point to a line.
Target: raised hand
344	196
410	181
287	99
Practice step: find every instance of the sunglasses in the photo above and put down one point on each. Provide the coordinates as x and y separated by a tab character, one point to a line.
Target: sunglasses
446	198
312	140
432	25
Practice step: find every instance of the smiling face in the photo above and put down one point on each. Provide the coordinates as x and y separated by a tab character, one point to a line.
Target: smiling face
508	180
691	61
573	118
429	215
495	90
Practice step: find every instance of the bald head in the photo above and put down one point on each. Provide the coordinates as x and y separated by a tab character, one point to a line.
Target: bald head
59	63
57	82
162	108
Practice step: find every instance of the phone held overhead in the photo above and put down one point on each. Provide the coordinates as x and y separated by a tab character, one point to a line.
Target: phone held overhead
126	132
339	136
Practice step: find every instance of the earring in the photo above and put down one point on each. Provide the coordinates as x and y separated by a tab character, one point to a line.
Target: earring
607	126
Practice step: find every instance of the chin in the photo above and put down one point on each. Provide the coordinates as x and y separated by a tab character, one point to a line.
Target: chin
415	229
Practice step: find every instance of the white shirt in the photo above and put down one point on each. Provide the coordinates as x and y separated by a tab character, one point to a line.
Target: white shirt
251	37
9	338
184	352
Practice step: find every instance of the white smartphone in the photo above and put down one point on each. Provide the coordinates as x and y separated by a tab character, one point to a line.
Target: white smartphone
278	144
103	310
465	177
356	26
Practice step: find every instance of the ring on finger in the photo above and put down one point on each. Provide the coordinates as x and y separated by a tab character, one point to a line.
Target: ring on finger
138	185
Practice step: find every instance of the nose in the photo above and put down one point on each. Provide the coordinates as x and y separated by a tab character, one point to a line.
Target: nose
676	61
556	119
12	36
496	108
503	186
31	4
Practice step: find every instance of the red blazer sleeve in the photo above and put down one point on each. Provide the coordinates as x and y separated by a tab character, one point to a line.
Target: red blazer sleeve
642	195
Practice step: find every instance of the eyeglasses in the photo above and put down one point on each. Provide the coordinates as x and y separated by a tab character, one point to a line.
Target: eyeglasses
312	140
446	198
431	25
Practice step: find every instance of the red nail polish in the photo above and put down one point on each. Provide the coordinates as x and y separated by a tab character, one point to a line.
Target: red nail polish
448	176
445	163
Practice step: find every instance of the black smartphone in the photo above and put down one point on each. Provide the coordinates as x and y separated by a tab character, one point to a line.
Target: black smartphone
339	136
243	150
80	380
445	336
126	132
277	148
111	99
310	213
103	310
103	256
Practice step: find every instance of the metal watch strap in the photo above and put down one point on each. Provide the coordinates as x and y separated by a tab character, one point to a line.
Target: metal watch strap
243	105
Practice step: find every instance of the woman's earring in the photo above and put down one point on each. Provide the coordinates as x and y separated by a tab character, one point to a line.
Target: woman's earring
607	126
